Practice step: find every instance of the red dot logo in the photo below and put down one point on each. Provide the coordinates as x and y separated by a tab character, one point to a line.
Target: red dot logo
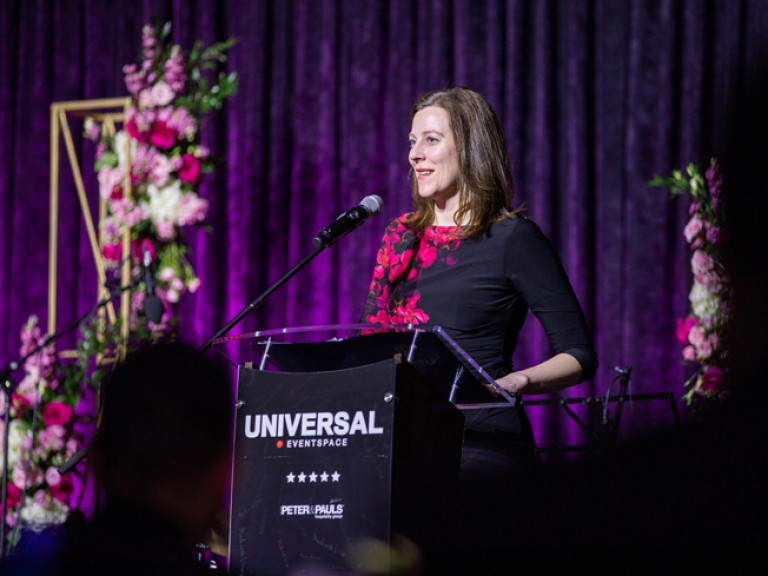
279	444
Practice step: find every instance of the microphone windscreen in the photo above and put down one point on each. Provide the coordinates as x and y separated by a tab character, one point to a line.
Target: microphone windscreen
372	204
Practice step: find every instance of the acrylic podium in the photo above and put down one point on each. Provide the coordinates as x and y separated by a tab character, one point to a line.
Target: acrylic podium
345	435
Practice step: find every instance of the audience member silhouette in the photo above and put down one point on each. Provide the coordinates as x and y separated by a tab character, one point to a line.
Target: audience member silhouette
162	458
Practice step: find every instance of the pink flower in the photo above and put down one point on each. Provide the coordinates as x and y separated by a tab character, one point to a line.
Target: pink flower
144	161
167	274
162	94
146	100
714	235
26	474
52	438
190	169
52	477
56	413
29	386
109	179
72	446
133	79
160	172
192	209
183	122
174	69
125	211
711	280
702	343
166	231
172	295
689	353
701	262
684	328
693	228
162	136
111	230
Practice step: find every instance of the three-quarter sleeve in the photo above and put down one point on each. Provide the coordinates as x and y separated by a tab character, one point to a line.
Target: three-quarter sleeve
534	268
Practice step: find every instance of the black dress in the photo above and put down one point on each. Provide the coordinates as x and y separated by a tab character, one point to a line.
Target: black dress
480	290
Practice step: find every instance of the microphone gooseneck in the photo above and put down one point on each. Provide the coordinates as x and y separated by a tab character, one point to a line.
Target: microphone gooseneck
153	306
348	221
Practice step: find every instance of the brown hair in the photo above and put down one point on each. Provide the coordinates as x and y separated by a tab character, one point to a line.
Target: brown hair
485	179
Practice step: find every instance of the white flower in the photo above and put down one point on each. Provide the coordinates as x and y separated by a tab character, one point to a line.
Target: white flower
38	516
121	142
164	203
16	436
703	302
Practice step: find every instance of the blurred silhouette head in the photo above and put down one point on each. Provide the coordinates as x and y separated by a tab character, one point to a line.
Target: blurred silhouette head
164	436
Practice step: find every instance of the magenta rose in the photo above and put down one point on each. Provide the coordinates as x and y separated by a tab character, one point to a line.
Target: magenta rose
14	495
684	328
133	131
112	252
56	413
20	403
712	379
62	490
190	169
139	247
162	135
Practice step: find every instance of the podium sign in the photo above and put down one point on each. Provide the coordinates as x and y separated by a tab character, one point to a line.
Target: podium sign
342	441
313	472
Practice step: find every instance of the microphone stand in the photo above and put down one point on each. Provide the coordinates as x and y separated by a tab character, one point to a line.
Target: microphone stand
8	385
266	294
344	224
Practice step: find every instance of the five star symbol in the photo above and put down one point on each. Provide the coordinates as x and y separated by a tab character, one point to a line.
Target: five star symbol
313	476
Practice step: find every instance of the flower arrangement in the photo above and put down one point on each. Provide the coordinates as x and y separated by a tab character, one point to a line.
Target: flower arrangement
149	175
47	426
702	331
159	150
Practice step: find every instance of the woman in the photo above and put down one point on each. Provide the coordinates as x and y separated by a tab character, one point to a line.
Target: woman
463	260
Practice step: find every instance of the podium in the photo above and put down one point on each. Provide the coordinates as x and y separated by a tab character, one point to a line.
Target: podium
345	435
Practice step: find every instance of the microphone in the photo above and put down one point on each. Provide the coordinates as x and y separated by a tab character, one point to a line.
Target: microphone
153	306
348	221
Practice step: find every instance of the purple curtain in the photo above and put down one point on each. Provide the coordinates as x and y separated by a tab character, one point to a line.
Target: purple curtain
595	96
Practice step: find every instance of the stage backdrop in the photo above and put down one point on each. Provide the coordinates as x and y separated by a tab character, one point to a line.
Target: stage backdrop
595	97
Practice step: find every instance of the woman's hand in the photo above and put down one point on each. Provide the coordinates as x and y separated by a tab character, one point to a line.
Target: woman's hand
553	375
514	383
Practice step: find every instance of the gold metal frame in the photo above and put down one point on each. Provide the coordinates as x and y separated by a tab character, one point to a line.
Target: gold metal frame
110	112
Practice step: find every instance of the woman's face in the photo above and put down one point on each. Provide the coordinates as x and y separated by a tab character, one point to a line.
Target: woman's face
433	155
